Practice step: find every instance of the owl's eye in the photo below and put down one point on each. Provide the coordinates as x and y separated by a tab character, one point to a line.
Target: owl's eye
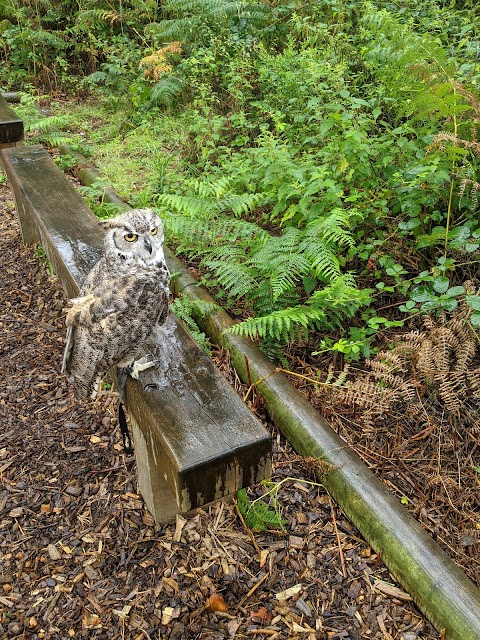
154	231
130	237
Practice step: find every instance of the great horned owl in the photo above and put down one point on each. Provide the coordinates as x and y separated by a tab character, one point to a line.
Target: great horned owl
123	297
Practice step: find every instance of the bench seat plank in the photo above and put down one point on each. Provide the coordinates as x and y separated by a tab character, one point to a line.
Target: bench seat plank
195	440
11	126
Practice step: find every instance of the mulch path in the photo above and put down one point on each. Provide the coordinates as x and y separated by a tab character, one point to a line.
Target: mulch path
81	557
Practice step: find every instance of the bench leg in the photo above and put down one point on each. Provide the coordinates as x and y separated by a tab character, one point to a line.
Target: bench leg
157	496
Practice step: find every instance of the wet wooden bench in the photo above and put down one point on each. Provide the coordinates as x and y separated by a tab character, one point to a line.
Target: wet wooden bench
11	126
195	440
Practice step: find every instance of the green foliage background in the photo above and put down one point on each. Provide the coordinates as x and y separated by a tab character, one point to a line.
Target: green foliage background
317	162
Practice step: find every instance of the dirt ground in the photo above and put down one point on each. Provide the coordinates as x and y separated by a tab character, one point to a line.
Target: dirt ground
80	557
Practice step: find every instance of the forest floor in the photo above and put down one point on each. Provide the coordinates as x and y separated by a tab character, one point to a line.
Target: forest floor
81	557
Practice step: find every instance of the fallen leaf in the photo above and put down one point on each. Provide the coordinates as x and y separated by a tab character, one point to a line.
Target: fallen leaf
216	603
173	584
261	616
296	542
95	439
181	522
122	613
263	556
16	513
296	628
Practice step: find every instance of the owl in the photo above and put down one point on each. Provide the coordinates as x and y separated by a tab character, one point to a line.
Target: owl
122	299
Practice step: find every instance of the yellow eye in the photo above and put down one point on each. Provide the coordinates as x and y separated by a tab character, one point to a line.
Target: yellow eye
154	231
130	237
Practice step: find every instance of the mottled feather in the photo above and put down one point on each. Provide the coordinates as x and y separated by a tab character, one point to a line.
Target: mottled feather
122	299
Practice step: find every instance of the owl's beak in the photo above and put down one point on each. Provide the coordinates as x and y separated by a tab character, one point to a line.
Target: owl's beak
147	244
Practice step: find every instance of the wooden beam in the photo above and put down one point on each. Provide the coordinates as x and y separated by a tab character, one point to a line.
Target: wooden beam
11	126
195	440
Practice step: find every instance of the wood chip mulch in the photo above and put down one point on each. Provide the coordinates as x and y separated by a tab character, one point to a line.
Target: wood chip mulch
80	557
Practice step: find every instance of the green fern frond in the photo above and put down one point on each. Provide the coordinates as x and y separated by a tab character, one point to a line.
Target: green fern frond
42	37
414	64
192	20
205	207
324	309
166	91
201	232
236	277
258	514
188	205
184	309
335	228
228	264
48	124
54	139
211	188
280	262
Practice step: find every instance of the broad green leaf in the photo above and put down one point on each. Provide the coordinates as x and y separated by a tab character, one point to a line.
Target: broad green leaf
441	284
474	302
453	292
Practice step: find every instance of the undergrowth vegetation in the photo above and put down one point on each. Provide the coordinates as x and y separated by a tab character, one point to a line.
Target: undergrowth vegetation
318	163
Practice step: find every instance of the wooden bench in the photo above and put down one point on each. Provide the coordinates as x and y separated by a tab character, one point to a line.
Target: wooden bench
11	126
195	440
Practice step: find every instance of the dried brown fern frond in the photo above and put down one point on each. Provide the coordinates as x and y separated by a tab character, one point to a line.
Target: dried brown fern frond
445	136
467	343
432	366
409	342
444	342
391	360
474	188
425	359
473	381
452	390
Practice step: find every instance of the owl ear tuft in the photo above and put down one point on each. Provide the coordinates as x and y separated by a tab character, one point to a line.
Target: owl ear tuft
109	224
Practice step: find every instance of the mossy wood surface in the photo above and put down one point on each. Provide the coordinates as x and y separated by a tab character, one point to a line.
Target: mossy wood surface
196	441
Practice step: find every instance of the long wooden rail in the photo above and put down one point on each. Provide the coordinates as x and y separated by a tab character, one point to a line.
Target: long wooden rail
195	440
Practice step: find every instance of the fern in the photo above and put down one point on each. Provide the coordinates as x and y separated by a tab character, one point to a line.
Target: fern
258	514
185	309
166	91
92	17
324	309
189	19
267	270
412	64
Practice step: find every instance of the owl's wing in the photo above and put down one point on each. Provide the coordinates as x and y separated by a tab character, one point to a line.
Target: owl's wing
164	312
